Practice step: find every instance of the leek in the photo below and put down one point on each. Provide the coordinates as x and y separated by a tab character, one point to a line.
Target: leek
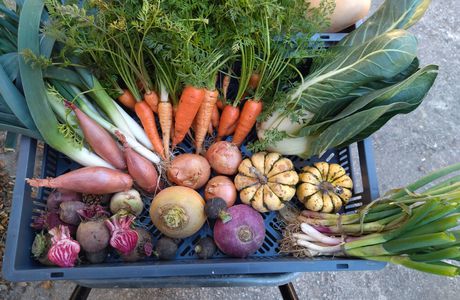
35	90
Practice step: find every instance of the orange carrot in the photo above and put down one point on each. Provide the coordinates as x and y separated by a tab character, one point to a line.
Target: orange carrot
189	104
215	117
220	104
231	129
152	100
203	118
145	114
251	110
229	116
127	99
254	81
165	112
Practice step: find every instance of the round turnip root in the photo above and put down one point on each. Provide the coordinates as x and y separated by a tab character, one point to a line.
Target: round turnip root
61	195
224	157
243	234
189	170
144	246
96	257
68	212
92	234
130	201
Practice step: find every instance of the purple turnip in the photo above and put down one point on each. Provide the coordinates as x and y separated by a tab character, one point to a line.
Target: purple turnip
68	212
61	195
92	234
243	234
122	237
64	250
144	246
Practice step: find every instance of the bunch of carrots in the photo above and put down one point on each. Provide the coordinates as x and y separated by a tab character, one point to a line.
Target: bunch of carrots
163	57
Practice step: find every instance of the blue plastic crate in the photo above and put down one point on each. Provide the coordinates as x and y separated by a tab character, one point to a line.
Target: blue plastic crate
18	265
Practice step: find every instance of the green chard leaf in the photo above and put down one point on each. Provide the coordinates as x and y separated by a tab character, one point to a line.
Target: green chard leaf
369	113
379	59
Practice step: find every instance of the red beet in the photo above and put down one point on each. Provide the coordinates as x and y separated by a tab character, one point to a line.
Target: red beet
123	237
48	220
144	246
64	250
58	196
243	234
68	212
92	234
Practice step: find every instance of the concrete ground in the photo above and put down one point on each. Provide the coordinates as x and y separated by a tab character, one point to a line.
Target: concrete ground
405	149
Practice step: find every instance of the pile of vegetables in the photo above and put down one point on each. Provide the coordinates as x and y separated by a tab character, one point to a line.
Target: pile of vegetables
226	77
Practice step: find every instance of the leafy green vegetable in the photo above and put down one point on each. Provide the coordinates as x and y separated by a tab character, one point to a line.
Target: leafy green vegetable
35	90
378	59
369	113
392	14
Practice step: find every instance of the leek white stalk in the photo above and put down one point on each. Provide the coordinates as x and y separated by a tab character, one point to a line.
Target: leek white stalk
136	129
133	143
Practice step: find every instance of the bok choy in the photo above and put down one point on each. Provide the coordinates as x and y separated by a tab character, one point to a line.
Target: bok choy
355	91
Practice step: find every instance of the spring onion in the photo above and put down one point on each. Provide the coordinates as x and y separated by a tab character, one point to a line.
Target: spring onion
412	226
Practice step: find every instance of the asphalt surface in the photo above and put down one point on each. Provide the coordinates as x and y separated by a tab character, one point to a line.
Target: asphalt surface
405	149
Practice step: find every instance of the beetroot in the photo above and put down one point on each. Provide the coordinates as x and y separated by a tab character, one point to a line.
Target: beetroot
48	220
144	246
68	212
243	234
92	234
58	196
123	237
64	250
97	257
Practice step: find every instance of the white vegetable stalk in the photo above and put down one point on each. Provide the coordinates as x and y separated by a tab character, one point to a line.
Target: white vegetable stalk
318	236
287	146
135	128
321	249
132	142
